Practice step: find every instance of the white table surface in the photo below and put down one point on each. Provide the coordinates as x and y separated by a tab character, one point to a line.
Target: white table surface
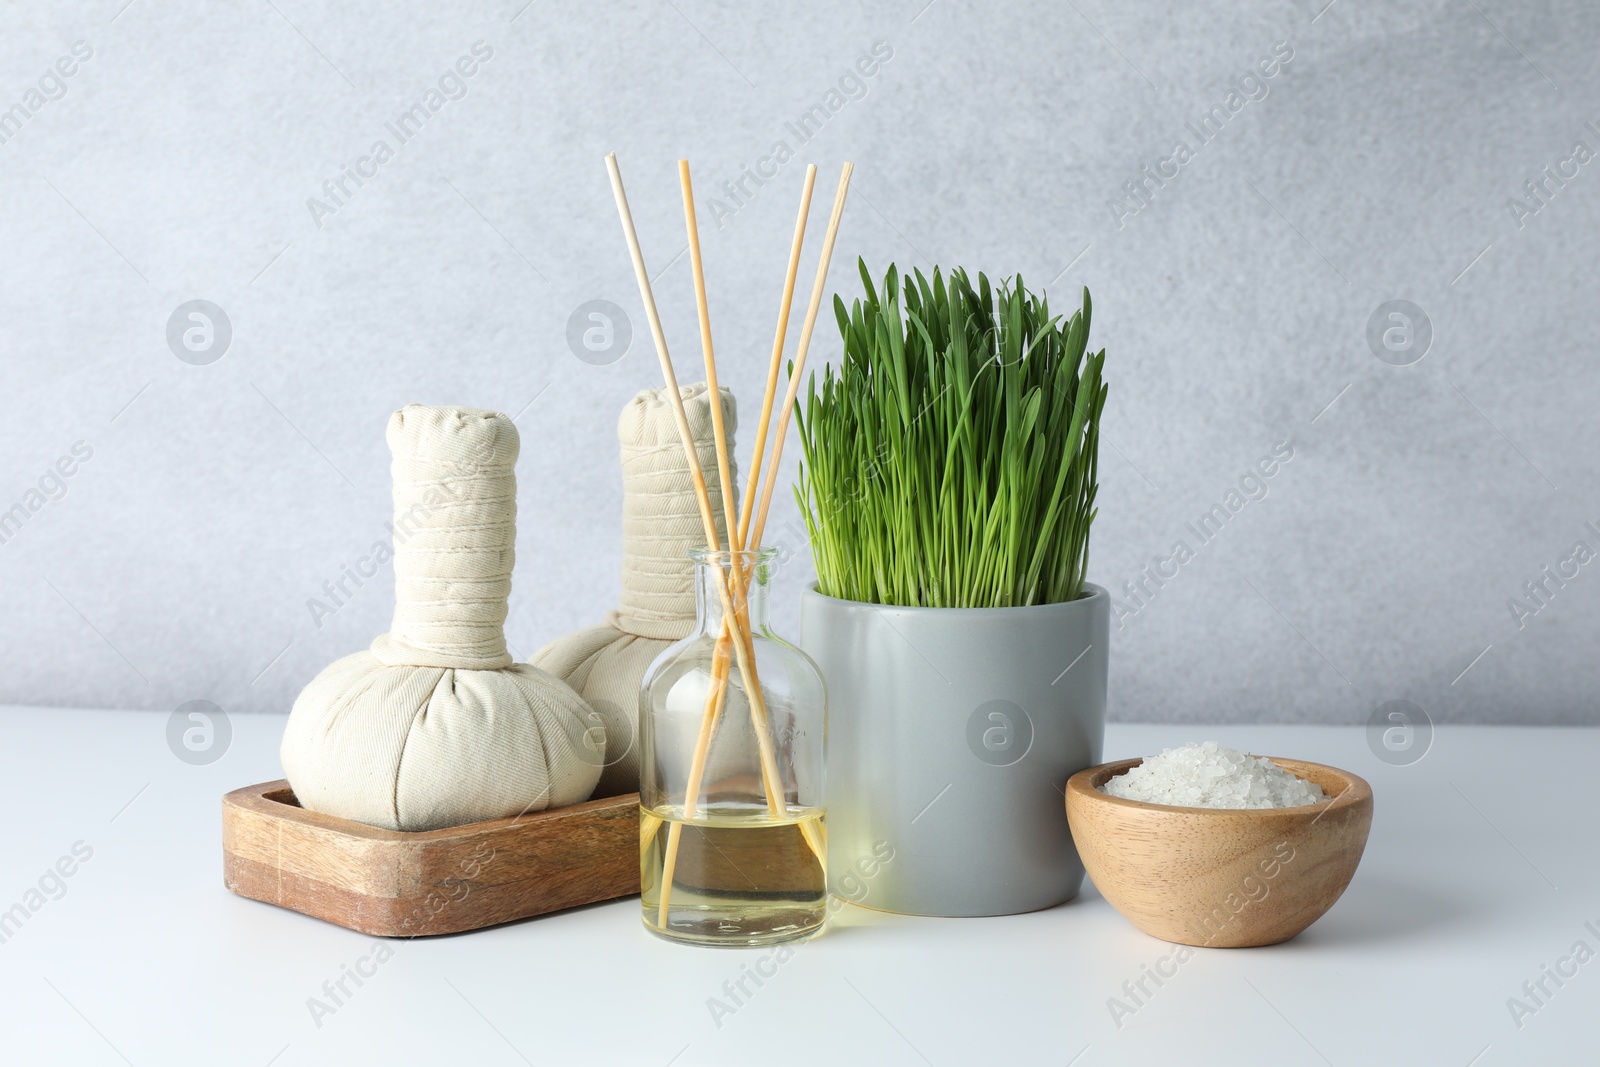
1481	869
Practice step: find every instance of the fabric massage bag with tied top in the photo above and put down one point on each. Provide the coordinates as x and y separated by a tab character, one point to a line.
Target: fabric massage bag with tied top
661	522
434	725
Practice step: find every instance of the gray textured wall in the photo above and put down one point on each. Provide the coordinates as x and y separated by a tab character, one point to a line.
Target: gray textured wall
1379	163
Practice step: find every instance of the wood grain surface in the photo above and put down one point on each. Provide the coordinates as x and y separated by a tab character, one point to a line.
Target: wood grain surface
395	884
1221	877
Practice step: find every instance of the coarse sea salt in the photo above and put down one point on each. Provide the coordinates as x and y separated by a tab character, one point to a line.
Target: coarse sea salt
1210	776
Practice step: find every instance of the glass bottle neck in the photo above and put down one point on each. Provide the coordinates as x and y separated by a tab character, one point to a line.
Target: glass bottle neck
732	579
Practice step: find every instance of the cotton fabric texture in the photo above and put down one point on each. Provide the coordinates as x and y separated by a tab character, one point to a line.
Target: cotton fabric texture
661	522
434	725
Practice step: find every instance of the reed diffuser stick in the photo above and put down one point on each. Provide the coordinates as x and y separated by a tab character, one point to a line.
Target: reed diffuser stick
720	657
659	336
775	368
719	431
719	435
800	354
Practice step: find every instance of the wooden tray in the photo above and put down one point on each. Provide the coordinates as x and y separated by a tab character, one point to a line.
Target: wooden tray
394	884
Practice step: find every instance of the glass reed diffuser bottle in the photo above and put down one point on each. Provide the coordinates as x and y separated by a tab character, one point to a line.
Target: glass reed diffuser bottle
733	840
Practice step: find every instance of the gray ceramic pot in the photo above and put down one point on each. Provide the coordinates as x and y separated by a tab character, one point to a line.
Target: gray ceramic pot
951	735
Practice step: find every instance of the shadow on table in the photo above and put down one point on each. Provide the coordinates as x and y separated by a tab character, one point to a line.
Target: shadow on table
1390	911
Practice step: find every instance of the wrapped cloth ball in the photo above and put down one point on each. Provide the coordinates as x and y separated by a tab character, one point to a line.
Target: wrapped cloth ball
434	725
661	522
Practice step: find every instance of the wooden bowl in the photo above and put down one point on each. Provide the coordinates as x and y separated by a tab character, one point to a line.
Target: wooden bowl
1221	877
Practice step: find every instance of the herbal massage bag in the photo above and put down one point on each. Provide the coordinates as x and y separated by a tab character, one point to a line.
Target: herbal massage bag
660	524
434	725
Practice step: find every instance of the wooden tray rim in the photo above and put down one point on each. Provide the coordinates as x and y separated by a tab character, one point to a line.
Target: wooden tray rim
260	799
